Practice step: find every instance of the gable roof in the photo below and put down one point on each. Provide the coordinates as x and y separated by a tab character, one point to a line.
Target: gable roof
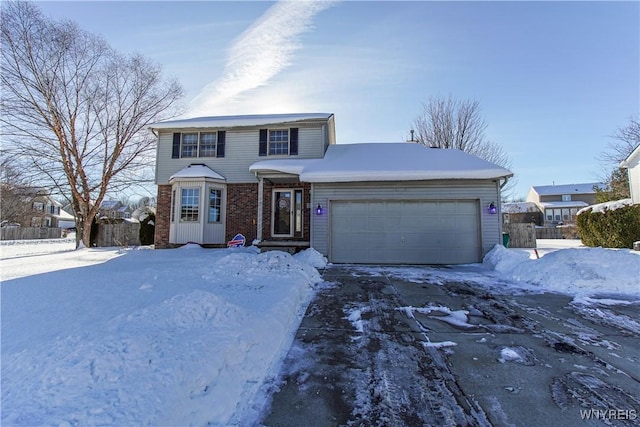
555	190
239	121
386	162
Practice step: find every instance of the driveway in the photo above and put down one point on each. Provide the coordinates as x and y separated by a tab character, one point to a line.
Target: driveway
391	346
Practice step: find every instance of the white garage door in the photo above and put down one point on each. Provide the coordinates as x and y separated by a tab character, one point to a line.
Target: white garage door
405	232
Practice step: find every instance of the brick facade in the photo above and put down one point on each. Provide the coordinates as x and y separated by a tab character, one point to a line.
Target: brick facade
163	212
242	211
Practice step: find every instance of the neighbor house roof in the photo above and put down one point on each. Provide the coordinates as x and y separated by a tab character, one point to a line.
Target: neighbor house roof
552	190
196	171
109	204
386	162
239	121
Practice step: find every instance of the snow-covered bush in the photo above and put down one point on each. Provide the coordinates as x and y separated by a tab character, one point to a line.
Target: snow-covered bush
611	226
147	229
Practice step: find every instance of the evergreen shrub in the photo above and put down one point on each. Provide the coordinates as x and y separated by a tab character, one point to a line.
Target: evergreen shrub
617	228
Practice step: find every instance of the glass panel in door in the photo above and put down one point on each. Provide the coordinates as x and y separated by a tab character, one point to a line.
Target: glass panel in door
282	213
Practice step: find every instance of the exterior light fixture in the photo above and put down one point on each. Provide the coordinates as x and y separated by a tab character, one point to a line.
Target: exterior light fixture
319	210
492	209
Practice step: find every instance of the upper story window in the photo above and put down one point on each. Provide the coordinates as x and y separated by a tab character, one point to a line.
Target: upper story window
198	144
566	197
278	142
189	145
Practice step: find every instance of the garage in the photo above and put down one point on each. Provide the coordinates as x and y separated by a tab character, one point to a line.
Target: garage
405	231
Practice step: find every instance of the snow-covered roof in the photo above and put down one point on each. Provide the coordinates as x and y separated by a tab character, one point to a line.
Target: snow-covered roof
573	204
519	207
196	171
552	190
239	121
64	215
386	162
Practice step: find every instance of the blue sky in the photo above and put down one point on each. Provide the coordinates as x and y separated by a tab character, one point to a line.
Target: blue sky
554	79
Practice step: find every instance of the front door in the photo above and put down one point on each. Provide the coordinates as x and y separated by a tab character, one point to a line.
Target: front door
287	211
282	213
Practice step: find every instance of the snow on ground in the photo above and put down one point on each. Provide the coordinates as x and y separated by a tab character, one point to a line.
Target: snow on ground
575	270
144	337
188	336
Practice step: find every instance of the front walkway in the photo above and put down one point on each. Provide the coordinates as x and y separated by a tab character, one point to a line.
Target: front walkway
378	349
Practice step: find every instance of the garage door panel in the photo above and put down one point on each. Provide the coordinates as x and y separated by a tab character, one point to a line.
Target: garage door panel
405	232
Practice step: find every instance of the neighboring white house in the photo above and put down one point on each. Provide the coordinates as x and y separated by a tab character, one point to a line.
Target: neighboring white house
282	179
632	164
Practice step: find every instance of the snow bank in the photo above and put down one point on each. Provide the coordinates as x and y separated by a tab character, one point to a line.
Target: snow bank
577	272
173	337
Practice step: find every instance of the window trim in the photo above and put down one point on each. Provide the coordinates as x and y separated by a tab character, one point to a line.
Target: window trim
269	142
183	206
219	207
213	148
296	212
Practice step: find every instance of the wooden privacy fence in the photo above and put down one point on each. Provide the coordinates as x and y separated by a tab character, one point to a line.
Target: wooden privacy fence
125	234
521	235
561	232
29	233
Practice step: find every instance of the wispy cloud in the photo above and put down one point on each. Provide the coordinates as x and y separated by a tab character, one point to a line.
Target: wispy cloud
260	53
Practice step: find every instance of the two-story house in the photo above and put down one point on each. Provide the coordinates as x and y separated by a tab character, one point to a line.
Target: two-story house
283	180
561	203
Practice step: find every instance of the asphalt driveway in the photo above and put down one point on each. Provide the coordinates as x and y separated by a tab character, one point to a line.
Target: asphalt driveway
389	346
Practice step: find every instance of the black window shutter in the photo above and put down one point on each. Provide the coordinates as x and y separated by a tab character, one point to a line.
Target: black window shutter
262	151
220	144
175	153
293	141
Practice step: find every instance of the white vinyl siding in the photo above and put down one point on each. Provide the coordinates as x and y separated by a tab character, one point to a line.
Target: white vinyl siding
200	230
482	192
241	151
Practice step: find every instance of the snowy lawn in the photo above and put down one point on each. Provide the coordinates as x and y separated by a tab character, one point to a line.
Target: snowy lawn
171	337
189	336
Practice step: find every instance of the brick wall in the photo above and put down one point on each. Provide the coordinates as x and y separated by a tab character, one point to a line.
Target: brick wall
242	211
163	212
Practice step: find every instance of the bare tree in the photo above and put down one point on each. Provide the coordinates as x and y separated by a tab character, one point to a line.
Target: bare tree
76	109
451	123
620	146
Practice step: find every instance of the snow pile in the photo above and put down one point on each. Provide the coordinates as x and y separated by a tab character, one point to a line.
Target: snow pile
578	272
172	337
